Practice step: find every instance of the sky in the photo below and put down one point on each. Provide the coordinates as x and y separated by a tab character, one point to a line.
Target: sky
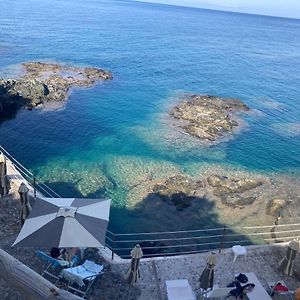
283	8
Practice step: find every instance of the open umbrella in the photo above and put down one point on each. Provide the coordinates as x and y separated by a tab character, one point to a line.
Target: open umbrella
4	182
207	276
286	265
25	204
133	272
65	223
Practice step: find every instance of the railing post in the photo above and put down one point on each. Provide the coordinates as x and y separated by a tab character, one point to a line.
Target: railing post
222	239
34	186
113	246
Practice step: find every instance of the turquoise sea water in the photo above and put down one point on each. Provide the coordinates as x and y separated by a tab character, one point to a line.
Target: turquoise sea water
107	138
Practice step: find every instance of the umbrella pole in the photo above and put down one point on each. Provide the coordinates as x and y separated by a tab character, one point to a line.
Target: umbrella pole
69	258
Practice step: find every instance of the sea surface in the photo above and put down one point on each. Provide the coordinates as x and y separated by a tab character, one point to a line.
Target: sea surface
105	139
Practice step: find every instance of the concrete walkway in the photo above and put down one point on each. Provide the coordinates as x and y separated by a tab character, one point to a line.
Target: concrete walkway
263	261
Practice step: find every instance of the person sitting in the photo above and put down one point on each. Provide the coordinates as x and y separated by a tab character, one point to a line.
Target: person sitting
55	253
279	288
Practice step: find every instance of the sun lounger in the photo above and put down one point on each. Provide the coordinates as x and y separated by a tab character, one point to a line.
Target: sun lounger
258	292
52	264
82	277
179	290
217	293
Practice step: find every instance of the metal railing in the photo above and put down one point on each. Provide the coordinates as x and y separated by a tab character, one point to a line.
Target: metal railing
202	240
30	177
179	242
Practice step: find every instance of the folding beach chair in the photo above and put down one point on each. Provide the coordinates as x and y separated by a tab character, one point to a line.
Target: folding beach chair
81	278
52	264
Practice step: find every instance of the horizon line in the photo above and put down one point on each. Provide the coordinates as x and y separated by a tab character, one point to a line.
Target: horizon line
215	9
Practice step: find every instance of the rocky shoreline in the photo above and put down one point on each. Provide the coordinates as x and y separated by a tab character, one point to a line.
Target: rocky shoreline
208	118
45	82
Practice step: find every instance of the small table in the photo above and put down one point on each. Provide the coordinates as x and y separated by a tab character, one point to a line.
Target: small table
238	250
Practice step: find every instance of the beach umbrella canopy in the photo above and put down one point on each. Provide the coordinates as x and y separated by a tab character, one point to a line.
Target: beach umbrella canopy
25	204
4	182
65	223
207	276
286	265
133	272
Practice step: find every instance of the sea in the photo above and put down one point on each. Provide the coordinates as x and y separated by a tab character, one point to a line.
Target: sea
110	139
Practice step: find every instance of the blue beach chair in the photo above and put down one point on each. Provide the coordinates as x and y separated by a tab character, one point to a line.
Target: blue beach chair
52	264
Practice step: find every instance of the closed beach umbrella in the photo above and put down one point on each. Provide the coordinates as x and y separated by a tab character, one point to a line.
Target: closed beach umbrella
4	182
286	265
207	276
65	223
25	204
133	272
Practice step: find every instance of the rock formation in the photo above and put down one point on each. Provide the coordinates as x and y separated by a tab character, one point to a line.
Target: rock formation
44	82
208	118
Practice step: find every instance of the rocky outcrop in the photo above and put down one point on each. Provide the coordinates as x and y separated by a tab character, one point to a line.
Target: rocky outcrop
43	82
231	191
208	118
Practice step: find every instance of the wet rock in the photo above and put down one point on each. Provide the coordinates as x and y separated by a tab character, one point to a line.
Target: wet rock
208	118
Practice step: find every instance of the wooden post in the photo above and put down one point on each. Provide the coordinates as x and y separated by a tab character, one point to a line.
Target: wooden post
34	186
29	283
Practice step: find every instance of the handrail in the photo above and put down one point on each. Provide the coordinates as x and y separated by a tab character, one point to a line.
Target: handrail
205	230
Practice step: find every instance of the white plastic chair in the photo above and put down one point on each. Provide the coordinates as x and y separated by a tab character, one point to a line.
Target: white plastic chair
237	251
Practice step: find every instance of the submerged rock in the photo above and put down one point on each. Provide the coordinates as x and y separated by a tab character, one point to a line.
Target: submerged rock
208	118
229	190
179	191
44	82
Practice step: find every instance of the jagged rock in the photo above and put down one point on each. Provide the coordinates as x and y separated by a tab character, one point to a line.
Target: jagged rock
208	118
275	206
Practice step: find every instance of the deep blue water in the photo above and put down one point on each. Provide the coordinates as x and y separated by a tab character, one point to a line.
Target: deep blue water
156	53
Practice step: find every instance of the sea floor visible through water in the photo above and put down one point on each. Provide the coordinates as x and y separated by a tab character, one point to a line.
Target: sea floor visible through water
111	139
